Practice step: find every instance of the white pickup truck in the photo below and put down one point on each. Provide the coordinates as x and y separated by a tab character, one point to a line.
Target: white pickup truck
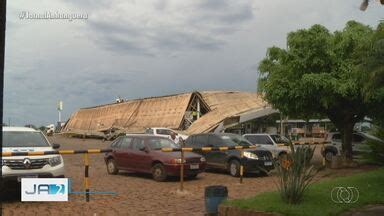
276	144
164	132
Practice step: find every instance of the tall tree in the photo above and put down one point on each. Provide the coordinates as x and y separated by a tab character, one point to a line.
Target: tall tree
373	76
321	73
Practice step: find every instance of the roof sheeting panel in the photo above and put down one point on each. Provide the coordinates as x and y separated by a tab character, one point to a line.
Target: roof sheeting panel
225	104
132	116
168	111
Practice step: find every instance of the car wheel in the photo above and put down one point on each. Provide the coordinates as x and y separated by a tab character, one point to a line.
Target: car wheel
158	172
111	167
329	155
234	168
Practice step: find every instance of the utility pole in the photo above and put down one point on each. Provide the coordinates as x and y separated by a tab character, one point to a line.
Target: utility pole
59	109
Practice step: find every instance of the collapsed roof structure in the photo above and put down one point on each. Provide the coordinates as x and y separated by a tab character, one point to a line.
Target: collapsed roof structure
195	112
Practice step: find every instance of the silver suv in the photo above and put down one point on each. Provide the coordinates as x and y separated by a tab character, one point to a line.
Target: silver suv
276	144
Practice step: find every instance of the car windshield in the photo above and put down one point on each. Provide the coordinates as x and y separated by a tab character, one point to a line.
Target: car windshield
235	140
158	143
280	139
24	139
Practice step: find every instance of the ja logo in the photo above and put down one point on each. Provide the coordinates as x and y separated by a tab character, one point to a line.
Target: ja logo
44	189
344	194
47	188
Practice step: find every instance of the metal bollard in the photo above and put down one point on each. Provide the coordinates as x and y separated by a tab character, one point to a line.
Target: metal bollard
182	171
323	148
241	166
86	175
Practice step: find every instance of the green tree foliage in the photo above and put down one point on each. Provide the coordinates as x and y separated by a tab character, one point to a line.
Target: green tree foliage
375	153
373	76
329	74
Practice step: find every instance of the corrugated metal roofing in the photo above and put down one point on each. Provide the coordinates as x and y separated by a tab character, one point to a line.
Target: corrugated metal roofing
134	116
225	104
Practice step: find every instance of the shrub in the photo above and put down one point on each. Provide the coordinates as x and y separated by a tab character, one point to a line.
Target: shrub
375	154
295	174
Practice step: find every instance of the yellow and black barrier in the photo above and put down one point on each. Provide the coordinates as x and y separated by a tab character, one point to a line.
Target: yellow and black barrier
308	143
86	160
186	149
37	153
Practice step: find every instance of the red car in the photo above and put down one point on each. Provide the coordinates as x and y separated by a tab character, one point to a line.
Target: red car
141	153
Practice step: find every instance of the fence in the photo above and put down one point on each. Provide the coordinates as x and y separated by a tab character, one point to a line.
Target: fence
86	161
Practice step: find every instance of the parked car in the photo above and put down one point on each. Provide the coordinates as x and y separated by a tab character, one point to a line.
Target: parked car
255	160
23	139
141	153
165	132
278	145
358	144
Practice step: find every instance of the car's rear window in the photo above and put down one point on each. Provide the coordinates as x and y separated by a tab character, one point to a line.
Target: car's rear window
149	131
24	139
158	143
234	140
280	139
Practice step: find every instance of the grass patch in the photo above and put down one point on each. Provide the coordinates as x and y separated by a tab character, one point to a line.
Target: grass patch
317	199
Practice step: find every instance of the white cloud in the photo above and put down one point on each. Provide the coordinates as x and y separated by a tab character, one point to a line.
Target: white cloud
150	27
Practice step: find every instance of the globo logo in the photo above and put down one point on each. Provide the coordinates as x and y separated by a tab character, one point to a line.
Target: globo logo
345	195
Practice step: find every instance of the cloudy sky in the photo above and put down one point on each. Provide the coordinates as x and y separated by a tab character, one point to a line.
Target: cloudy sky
142	48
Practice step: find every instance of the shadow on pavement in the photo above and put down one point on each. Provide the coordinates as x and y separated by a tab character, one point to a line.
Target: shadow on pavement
246	175
149	176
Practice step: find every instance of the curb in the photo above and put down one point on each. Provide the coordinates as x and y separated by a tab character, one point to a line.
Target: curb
226	210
